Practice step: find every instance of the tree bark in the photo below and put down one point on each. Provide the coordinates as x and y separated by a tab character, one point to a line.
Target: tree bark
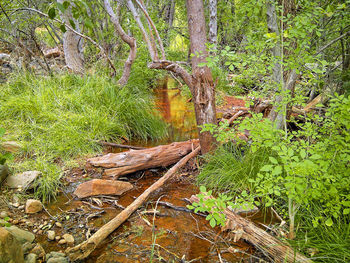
279	251
203	88
72	44
127	39
83	250
117	164
213	22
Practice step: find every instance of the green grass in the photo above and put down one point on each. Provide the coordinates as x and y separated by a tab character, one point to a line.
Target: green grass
331	243
59	118
229	170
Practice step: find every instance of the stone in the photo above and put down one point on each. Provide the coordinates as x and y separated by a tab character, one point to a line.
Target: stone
69	239
56	257
22	180
57	238
58	260
62	242
3	214
31	258
22	236
51	235
10	248
102	187
39	251
11	146
27	247
33	206
58	224
4	172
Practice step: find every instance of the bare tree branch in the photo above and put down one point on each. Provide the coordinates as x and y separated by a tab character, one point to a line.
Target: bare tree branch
131	41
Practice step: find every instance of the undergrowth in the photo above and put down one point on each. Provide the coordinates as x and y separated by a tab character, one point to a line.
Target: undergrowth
60	118
230	168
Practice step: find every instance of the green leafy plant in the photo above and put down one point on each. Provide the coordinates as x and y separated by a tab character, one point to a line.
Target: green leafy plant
4	156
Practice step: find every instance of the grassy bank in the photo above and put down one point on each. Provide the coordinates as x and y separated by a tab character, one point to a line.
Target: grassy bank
57	119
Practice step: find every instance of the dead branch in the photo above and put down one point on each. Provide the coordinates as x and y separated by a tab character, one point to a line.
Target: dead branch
84	249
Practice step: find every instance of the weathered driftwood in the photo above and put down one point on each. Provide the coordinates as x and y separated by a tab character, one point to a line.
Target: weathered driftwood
117	164
84	249
279	251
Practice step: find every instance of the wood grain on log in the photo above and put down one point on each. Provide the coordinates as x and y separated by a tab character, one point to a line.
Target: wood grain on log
83	250
118	164
278	250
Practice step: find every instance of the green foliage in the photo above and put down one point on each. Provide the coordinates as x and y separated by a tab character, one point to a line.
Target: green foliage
59	118
4	156
213	206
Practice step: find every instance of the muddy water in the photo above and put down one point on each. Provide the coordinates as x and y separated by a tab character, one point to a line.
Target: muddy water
167	235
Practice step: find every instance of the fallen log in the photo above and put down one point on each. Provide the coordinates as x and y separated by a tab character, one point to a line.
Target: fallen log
84	249
118	164
247	230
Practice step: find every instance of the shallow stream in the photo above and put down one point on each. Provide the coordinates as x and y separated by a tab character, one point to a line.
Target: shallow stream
155	232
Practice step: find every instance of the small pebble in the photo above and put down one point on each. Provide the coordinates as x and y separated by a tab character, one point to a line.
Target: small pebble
3	214
51	235
62	242
58	224
21	207
57	238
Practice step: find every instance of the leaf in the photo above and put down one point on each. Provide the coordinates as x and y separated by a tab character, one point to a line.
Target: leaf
202	189
346	211
71	22
61	7
63	28
66	4
266	168
212	222
52	13
302	153
277	170
329	222
273	160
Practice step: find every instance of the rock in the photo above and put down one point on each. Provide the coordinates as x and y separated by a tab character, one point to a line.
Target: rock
102	187
21	235
10	248
4	172
69	239
33	206
27	247
21	207
62	242
58	224
51	235
39	251
56	257
52	52
11	146
31	258
3	214
23	180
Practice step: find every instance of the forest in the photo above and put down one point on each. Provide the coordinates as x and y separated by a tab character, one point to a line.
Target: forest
174	131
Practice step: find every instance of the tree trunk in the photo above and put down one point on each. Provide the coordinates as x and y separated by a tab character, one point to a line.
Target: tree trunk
72	44
203	88
127	39
213	22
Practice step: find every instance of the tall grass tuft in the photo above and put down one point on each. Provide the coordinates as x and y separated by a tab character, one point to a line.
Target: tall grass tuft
230	168
59	118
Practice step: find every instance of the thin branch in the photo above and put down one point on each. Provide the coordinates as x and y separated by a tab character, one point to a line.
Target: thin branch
73	30
131	41
154	28
332	42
